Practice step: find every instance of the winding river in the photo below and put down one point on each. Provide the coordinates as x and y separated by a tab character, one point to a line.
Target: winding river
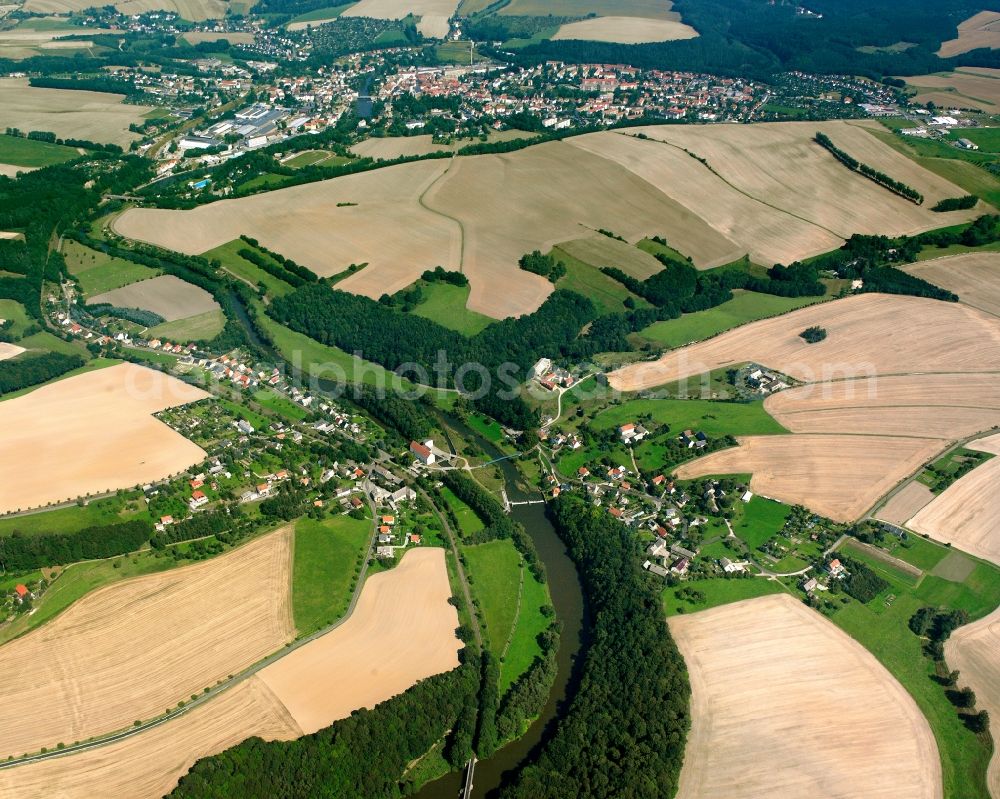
567	599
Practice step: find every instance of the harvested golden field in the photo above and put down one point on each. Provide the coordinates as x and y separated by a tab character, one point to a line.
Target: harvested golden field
98	666
967	513
906	502
480	214
402	630
974	649
599	250
194	10
11	171
147	766
946	406
96	116
974	277
958	89
979	30
388	228
389	147
434	14
839	476
867	334
779	696
91	433
166	295
8	350
625	30
773	188
535	198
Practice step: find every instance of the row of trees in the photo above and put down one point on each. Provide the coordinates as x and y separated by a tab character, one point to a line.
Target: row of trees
624	731
362	756
498	523
21	553
19	373
957	203
869	172
302	272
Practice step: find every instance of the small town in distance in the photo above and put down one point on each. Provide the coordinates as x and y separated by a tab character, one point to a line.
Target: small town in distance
499	399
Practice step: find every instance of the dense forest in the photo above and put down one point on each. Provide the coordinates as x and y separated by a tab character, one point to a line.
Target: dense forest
624	732
756	38
24	372
329	763
503	351
24	552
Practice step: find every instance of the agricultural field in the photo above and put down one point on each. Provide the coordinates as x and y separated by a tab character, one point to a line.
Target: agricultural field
495	570
745	306
317	16
96	116
446	305
868	334
109	510
769	189
649	9
148	766
770	670
967	513
967	87
434	14
315	158
402	630
193	10
8	350
599	250
233	37
625	30
328	554
90	434
785	199
166	296
972	649
713	418
16	151
89	677
200	327
838	476
99	273
974	277
905	503
607	293
228	255
980	30
945	406
388	147
14	311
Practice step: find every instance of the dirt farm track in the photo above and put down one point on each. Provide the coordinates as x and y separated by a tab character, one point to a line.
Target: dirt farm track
402	630
764	190
778	698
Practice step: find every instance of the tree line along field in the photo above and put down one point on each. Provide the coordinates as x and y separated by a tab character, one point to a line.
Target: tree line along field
281	701
92	676
766	190
99	273
94	116
30	153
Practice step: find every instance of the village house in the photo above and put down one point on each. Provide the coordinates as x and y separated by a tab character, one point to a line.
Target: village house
423	451
631	433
